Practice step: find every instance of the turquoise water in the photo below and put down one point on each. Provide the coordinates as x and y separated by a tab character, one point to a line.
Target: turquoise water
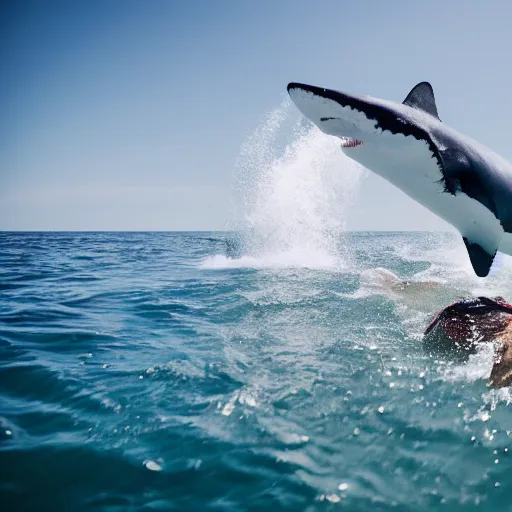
177	371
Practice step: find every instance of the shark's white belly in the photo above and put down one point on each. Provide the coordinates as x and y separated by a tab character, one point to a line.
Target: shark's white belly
409	164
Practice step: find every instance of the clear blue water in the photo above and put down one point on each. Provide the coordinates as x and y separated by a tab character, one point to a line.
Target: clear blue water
151	371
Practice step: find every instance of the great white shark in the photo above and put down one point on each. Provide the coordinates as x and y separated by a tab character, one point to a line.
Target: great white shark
455	177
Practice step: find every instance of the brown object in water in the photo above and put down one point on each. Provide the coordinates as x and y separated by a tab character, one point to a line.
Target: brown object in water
461	326
501	373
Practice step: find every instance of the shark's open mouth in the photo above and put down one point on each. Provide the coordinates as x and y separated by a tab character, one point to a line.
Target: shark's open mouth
347	142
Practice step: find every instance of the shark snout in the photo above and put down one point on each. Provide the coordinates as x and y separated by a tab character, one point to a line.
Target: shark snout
296	90
305	87
334	112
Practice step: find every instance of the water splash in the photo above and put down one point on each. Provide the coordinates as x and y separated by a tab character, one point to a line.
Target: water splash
293	191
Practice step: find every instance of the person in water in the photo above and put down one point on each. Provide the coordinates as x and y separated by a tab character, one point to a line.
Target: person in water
461	326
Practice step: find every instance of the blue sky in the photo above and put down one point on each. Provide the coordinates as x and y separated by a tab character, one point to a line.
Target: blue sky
130	115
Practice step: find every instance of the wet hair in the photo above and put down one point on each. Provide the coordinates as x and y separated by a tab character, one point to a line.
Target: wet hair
474	306
462	324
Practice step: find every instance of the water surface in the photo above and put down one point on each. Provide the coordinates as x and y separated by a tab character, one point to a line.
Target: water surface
152	371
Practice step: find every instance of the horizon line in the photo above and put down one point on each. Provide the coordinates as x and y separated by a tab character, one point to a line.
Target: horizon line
4	231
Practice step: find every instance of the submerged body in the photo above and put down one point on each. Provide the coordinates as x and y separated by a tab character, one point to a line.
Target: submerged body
460	327
455	177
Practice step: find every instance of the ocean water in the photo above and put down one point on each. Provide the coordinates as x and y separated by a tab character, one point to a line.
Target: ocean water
151	371
275	366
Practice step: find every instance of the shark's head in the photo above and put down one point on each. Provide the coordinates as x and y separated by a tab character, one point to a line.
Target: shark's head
357	120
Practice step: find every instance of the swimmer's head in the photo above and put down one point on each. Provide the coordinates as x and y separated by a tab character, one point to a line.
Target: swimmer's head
462	324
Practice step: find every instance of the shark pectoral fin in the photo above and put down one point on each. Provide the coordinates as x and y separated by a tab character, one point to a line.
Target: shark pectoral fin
481	258
421	97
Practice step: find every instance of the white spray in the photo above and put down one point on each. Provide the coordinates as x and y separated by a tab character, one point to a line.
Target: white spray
291	198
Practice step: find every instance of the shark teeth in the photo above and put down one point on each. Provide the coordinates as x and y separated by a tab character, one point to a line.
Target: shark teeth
347	142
